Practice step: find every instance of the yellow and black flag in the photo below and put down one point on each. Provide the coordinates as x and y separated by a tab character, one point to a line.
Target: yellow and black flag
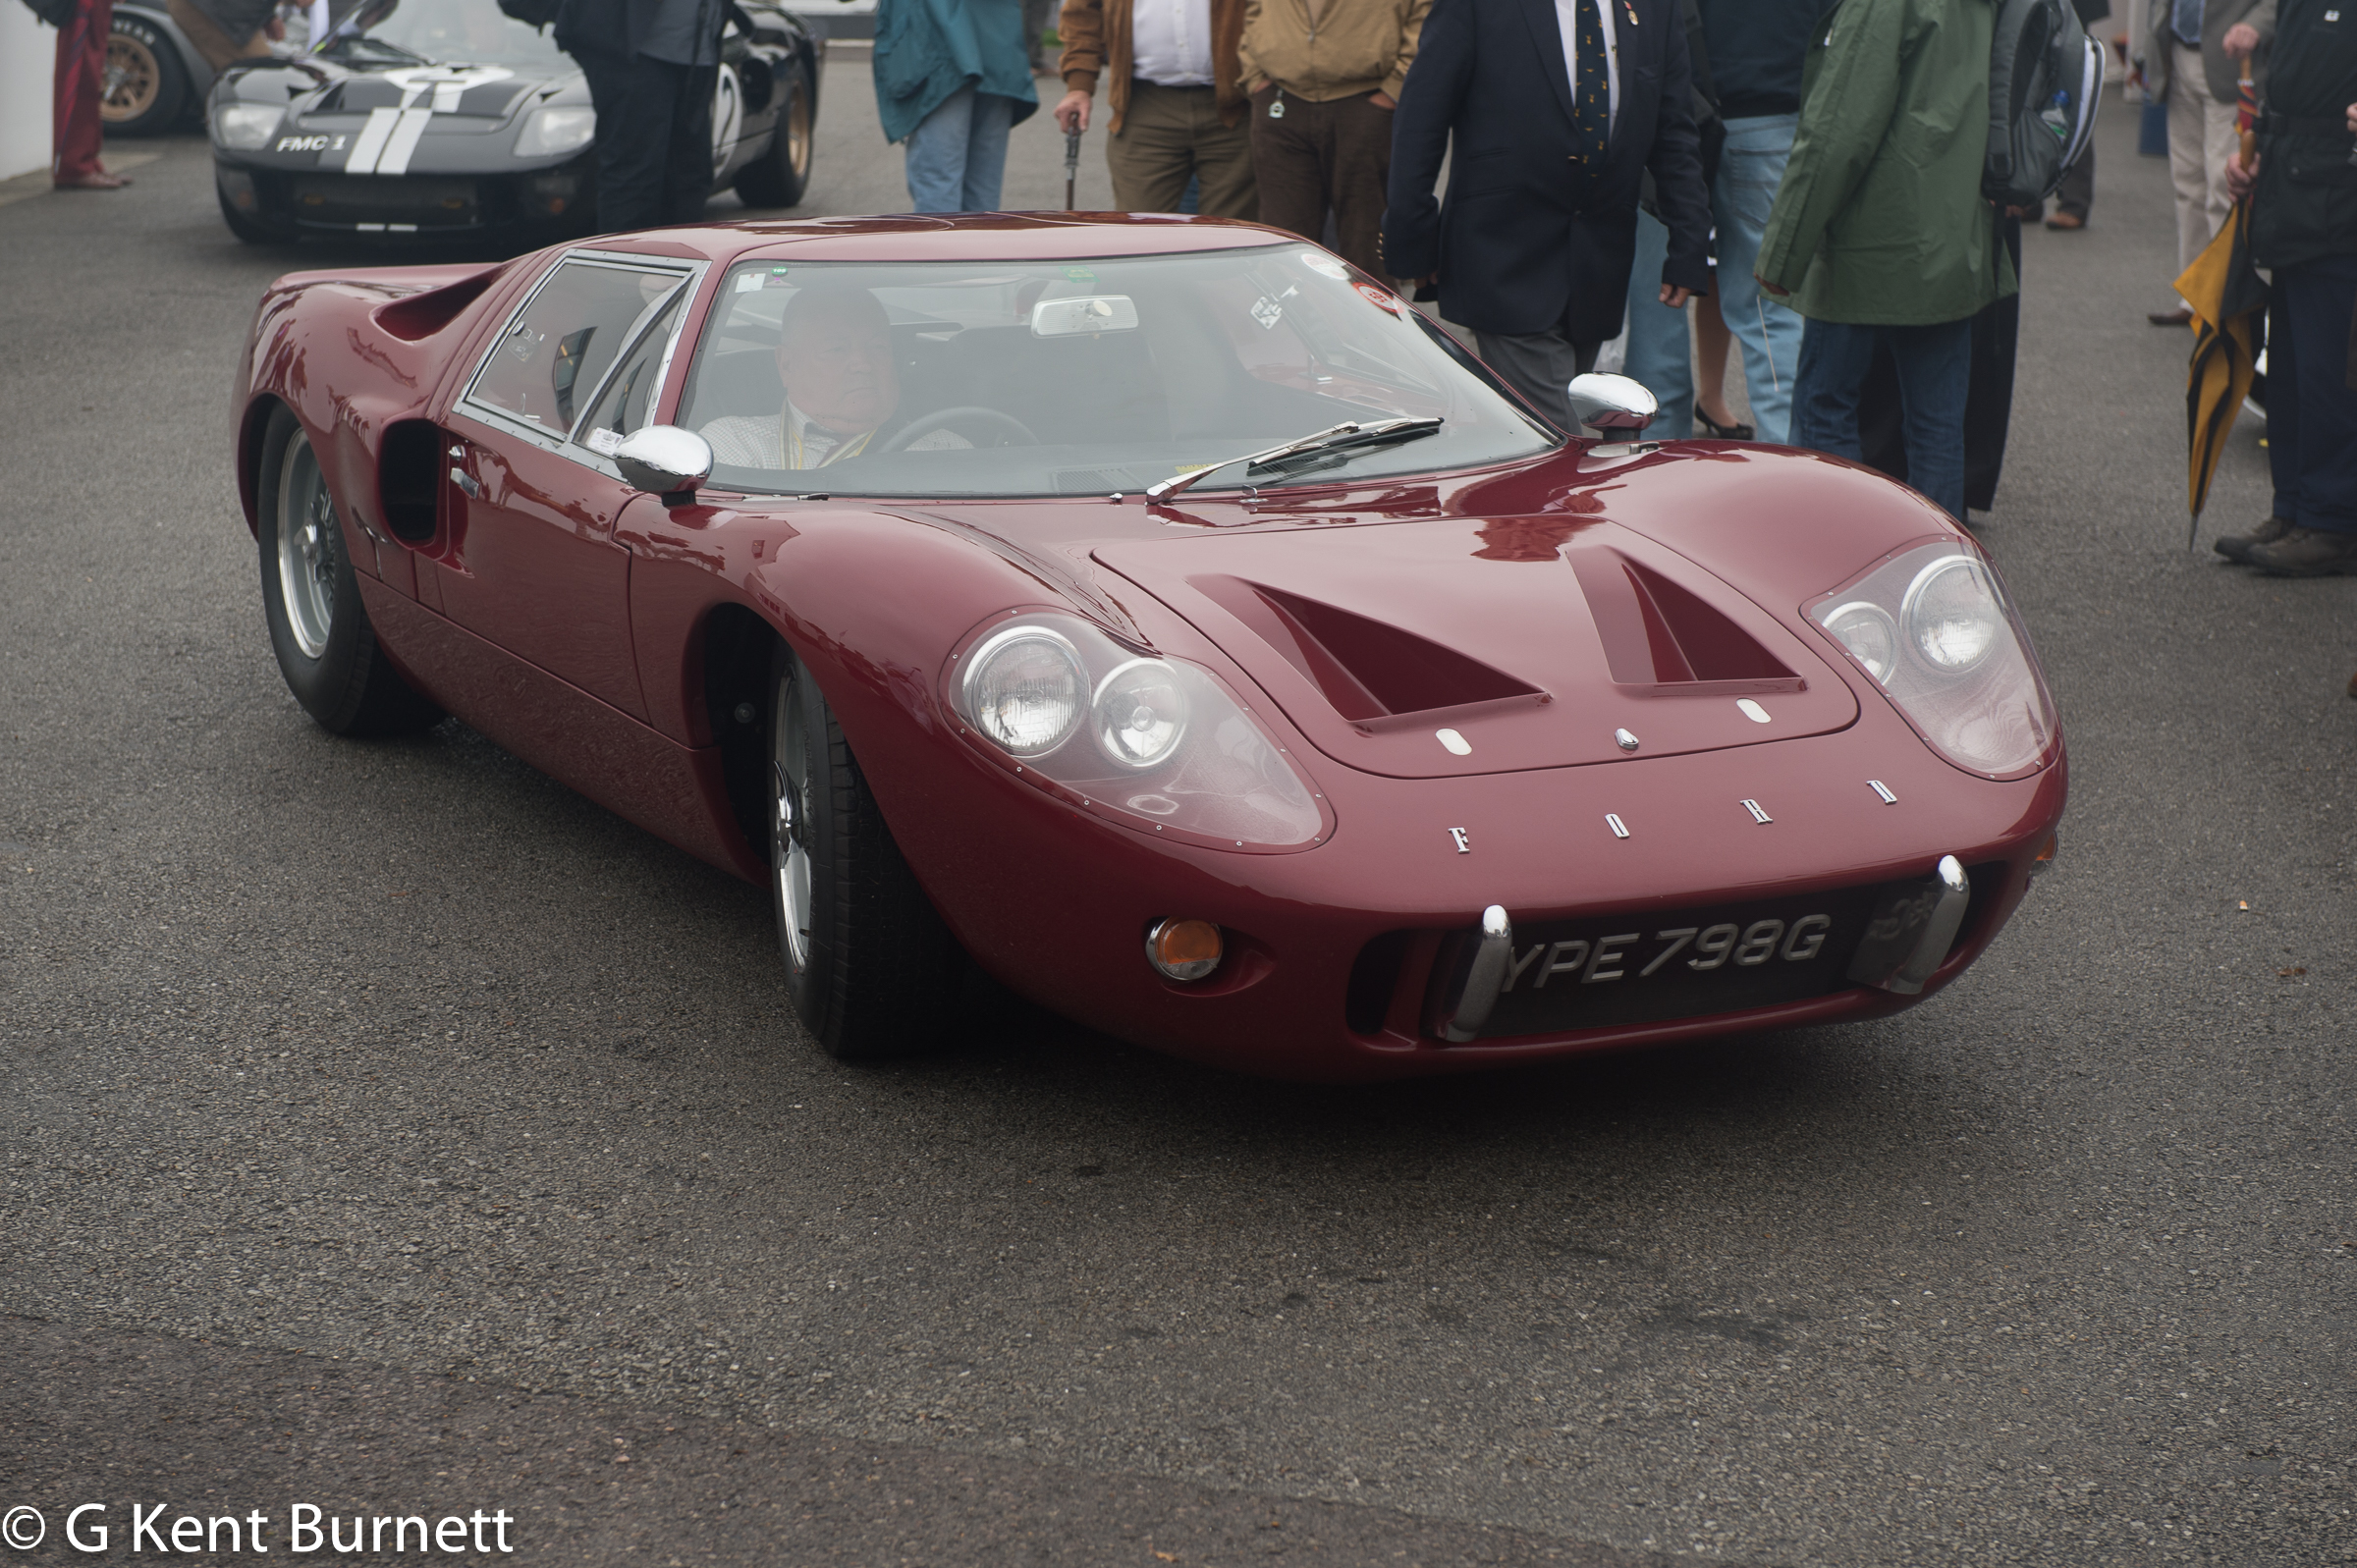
2228	299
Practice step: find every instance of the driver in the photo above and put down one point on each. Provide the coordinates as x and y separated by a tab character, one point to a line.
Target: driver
842	389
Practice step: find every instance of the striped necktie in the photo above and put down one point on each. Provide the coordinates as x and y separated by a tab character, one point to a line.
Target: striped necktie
1592	93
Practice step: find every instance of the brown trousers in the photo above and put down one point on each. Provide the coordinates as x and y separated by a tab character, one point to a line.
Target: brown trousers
1170	134
1320	158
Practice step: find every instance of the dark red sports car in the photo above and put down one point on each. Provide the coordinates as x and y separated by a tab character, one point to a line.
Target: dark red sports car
1162	616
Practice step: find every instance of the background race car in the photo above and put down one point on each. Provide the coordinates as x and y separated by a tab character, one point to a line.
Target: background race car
446	117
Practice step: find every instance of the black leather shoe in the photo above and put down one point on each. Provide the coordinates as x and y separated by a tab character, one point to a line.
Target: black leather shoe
2307	552
2237	547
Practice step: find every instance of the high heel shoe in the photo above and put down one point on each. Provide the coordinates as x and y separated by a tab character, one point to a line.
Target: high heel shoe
1720	432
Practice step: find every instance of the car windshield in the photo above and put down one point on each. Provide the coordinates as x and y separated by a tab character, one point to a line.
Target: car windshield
1046	378
445	31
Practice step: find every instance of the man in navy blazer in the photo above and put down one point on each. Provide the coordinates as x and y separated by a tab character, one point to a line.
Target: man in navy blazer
1552	145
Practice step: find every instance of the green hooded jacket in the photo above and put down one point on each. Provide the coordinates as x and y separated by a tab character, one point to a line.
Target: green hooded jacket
1880	220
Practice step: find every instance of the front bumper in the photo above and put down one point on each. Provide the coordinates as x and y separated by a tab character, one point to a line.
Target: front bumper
294	201
1342	960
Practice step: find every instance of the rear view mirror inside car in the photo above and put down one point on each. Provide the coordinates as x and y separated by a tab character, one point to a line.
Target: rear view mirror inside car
1088	313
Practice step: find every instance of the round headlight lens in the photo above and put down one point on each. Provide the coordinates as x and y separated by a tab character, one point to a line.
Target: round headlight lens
1024	688
1951	614
1867	630
1141	713
245	127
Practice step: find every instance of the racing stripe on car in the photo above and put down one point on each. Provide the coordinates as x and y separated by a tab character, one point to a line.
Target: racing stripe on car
369	145
403	143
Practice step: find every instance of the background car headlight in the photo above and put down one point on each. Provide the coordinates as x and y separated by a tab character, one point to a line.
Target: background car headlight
245	126
1025	690
1952	612
1141	713
559	128
1931	627
1175	755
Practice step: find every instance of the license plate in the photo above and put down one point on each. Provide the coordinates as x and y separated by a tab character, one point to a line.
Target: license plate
1641	968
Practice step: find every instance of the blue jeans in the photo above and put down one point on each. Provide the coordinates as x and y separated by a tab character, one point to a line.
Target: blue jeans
1660	355
1935	373
2311	408
957	154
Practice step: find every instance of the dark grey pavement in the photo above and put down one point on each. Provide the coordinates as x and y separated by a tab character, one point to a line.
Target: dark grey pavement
370	1111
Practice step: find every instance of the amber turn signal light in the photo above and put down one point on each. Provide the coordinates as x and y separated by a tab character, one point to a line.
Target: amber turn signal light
1183	949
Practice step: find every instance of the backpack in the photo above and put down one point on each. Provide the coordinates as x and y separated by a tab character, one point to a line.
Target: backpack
2046	79
531	13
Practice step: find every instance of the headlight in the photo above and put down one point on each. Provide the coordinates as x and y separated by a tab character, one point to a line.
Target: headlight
245	126
552	130
1931	627
1025	689
1952	612
1141	713
1869	633
1173	754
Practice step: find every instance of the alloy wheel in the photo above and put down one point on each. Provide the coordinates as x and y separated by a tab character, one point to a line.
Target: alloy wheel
790	825
306	545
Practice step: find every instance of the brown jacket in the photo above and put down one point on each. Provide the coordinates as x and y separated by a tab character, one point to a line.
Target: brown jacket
1327	49
1096	41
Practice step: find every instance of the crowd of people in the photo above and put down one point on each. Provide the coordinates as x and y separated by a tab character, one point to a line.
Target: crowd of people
1808	174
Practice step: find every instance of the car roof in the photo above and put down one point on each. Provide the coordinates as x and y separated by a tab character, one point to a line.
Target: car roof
957	237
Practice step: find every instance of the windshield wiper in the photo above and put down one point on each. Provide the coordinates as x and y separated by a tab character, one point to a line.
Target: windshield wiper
1342	438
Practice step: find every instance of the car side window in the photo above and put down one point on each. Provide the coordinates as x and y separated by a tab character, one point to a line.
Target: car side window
628	395
549	361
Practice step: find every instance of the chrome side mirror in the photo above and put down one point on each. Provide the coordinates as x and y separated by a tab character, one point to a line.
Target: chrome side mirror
665	460
1612	405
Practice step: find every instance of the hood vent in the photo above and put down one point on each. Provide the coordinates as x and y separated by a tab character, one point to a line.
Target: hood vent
1367	669
1659	635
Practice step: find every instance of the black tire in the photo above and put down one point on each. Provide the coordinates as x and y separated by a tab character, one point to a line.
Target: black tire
782	174
146	87
247	230
872	970
326	648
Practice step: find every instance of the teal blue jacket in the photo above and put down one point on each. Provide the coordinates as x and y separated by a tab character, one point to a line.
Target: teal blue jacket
928	49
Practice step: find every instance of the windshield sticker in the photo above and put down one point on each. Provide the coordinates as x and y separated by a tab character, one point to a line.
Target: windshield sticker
1381	300
1079	274
1268	313
1325	266
748	282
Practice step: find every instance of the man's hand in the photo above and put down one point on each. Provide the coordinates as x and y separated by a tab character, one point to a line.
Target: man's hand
1675	296
1071	112
2353	119
1384	100
2241	40
1781	294
2240	177
275	28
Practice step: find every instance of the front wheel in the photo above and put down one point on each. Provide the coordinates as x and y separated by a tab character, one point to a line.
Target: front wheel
326	648
782	174
145	88
872	970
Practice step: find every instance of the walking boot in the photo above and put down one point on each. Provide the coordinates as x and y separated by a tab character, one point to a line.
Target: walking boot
2237	547
2307	552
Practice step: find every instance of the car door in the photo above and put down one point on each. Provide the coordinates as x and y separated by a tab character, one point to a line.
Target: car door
528	560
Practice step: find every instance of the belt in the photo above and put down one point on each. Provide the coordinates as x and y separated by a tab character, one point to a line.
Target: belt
1173	86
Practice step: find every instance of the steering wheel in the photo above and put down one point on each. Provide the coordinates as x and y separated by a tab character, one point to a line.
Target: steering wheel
941	419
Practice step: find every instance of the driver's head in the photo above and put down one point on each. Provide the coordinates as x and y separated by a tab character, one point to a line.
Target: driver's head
835	357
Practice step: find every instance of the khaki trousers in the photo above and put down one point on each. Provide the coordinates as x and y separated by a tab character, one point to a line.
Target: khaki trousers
1171	133
2201	138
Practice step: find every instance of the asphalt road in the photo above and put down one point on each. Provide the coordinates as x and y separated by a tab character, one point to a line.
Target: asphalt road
388	1129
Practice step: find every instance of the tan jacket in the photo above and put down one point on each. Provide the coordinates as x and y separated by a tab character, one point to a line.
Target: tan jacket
1096	38
1326	49
2154	49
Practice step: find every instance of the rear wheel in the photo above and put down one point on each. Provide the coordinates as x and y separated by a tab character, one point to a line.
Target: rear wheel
325	646
782	174
145	86
872	970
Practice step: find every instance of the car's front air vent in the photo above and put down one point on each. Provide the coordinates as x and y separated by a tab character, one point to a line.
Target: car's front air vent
1656	633
1366	669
